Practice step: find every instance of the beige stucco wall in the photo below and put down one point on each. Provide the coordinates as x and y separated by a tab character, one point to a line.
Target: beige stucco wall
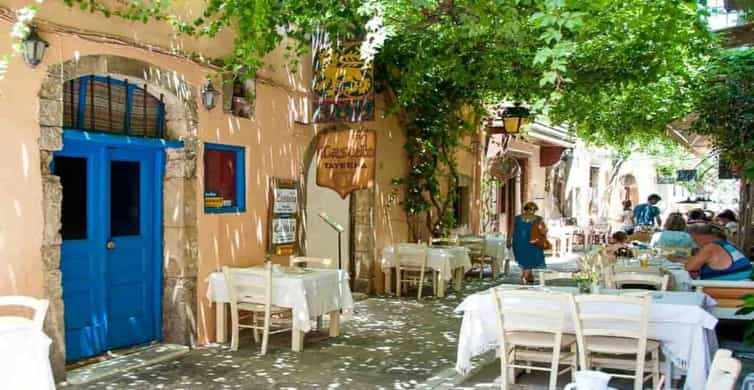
275	147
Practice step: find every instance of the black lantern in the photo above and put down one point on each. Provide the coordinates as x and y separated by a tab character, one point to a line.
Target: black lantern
508	119
34	48
209	95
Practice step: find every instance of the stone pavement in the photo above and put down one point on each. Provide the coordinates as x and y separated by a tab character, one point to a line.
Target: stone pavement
389	343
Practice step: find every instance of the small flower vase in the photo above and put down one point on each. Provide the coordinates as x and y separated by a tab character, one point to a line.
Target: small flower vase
583	287
595	288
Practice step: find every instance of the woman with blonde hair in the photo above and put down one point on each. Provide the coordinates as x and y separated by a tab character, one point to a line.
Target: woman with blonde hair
674	235
528	255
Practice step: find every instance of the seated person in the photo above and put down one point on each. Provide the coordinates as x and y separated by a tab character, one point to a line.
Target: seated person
727	219
674	235
697	216
717	259
620	247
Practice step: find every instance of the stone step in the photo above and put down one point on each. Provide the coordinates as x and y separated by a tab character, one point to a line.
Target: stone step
124	362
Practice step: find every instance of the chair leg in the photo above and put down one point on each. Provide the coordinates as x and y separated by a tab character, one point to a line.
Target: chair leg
254	320
398	282
639	378
574	363
421	284
554	368
234	329
503	369
265	334
319	323
656	368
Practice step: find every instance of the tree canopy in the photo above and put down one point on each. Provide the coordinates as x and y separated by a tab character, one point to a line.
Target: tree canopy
616	71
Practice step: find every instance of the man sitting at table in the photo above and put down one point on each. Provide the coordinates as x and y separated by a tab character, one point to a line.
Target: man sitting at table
717	259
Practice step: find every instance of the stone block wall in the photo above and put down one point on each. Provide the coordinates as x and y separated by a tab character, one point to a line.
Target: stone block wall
363	239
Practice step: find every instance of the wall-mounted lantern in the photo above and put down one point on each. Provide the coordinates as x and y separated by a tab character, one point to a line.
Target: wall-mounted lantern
209	95
34	48
508	119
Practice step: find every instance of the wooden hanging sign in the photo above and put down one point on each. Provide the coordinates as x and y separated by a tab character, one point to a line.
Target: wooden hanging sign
346	159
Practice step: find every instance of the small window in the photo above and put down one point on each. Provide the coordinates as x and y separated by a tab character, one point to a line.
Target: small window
224	179
239	95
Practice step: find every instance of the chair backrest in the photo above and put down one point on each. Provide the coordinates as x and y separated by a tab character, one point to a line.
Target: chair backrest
313	262
409	256
530	310
254	290
658	282
670	251
448	241
38	306
474	244
548	276
724	371
611	316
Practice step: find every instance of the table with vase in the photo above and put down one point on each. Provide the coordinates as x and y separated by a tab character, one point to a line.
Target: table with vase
450	262
678	320
310	293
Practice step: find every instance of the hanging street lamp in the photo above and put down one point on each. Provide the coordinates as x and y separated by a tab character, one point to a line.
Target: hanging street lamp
34	48
508	119
209	95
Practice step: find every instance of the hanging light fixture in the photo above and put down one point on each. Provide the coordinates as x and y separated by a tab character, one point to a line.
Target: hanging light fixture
209	95
34	48
508	119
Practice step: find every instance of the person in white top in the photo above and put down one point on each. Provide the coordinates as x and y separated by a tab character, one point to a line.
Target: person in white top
627	218
727	219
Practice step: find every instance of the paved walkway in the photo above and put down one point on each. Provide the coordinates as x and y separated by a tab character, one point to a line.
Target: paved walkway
389	343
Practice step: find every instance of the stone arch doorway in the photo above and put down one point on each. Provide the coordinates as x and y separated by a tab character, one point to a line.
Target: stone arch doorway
359	206
180	254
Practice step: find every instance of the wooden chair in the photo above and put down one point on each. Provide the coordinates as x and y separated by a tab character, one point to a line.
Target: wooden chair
313	262
548	276
728	295
411	267
477	253
37	306
658	282
624	345
527	336
724	371
256	301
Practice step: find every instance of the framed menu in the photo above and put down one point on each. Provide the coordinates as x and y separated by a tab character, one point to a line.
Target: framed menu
283	218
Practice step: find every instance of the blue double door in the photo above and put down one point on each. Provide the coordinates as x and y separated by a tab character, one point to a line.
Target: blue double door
111	218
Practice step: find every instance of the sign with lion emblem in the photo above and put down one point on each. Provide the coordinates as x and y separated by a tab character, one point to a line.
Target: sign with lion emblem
342	83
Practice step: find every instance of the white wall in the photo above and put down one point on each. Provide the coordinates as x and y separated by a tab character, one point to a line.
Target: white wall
321	239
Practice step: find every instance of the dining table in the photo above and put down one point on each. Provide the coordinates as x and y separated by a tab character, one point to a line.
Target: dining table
679	320
450	263
495	246
310	293
24	355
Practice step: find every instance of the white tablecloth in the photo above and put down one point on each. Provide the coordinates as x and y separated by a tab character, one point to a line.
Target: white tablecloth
24	358
678	320
310	294
444	260
681	278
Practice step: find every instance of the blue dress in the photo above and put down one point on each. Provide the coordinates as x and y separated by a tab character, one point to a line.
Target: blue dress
528	255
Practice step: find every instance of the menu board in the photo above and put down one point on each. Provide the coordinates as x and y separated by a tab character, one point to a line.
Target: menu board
283	218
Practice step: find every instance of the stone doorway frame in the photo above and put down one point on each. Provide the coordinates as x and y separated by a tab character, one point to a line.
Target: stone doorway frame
180	248
361	236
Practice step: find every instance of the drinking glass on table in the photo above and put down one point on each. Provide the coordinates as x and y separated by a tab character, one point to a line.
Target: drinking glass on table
644	260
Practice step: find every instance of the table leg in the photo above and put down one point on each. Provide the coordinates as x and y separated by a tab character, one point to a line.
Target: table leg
297	339
668	373
334	323
458	279
220	325
495	267
440	285
389	281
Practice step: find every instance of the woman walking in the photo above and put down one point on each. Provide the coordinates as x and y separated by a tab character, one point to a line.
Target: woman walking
528	255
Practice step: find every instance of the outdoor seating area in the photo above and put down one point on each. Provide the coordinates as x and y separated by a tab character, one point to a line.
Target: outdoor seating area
377	194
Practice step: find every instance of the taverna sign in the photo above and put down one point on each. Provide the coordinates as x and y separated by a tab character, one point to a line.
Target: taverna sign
345	159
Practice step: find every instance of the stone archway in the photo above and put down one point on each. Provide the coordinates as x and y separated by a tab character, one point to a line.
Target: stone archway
180	252
361	245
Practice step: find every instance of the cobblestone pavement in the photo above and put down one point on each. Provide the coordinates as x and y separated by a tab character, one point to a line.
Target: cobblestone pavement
389	343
